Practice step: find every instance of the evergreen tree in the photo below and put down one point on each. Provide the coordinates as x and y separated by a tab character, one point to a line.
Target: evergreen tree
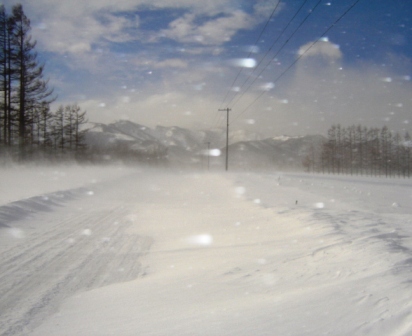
44	126
79	133
385	148
5	76
407	149
331	149
360	150
3	71
58	129
25	117
32	90
69	126
396	155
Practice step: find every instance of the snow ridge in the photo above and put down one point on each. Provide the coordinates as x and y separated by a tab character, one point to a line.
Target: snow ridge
24	208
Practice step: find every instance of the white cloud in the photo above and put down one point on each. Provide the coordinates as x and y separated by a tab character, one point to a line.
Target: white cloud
75	48
215	31
222	30
264	7
321	48
171	63
76	26
75	35
82	31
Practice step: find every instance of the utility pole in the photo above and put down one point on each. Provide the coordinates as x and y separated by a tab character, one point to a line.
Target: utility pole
227	136
208	155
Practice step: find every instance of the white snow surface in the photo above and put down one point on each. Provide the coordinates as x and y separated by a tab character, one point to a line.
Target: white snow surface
19	182
150	252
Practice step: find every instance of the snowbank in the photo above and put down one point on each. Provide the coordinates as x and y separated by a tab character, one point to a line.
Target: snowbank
20	182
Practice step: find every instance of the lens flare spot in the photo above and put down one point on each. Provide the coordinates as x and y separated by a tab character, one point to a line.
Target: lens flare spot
244	62
201	240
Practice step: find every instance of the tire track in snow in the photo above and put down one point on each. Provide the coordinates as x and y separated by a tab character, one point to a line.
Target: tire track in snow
76	253
16	257
58	236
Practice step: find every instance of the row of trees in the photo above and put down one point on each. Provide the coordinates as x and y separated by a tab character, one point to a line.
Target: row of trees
61	130
26	123
363	151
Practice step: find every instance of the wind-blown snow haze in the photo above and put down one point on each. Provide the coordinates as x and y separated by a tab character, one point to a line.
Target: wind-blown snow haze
134	251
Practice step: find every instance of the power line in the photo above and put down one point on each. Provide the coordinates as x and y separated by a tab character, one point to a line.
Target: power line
270	49
250	53
300	56
277	53
217	118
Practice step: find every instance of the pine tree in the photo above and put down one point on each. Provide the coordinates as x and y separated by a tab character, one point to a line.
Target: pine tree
69	126
44	126
407	145
3	69
25	117
385	145
58	129
79	133
5	76
32	90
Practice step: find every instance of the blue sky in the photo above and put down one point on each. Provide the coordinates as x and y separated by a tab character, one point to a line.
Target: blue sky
172	63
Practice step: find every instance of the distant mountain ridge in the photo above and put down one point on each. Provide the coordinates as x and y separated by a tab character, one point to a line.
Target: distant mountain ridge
278	152
184	147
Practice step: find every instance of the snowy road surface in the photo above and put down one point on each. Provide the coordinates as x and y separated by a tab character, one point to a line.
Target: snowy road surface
156	253
76	242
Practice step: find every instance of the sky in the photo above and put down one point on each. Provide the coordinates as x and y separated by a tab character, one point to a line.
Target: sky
288	68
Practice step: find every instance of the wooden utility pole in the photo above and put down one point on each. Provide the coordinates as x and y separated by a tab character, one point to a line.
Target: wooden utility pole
227	136
208	155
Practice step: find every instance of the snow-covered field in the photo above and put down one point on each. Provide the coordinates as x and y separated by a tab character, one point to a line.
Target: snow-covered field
121	251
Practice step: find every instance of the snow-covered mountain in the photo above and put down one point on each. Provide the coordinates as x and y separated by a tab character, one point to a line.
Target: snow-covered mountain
182	146
281	152
174	144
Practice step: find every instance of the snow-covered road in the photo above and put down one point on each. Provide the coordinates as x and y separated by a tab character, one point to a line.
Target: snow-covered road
71	241
213	254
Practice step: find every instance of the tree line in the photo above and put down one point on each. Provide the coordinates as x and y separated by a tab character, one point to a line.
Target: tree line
26	123
362	151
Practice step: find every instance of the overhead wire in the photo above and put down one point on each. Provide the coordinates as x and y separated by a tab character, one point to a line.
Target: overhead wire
277	53
300	56
270	49
250	53
267	52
